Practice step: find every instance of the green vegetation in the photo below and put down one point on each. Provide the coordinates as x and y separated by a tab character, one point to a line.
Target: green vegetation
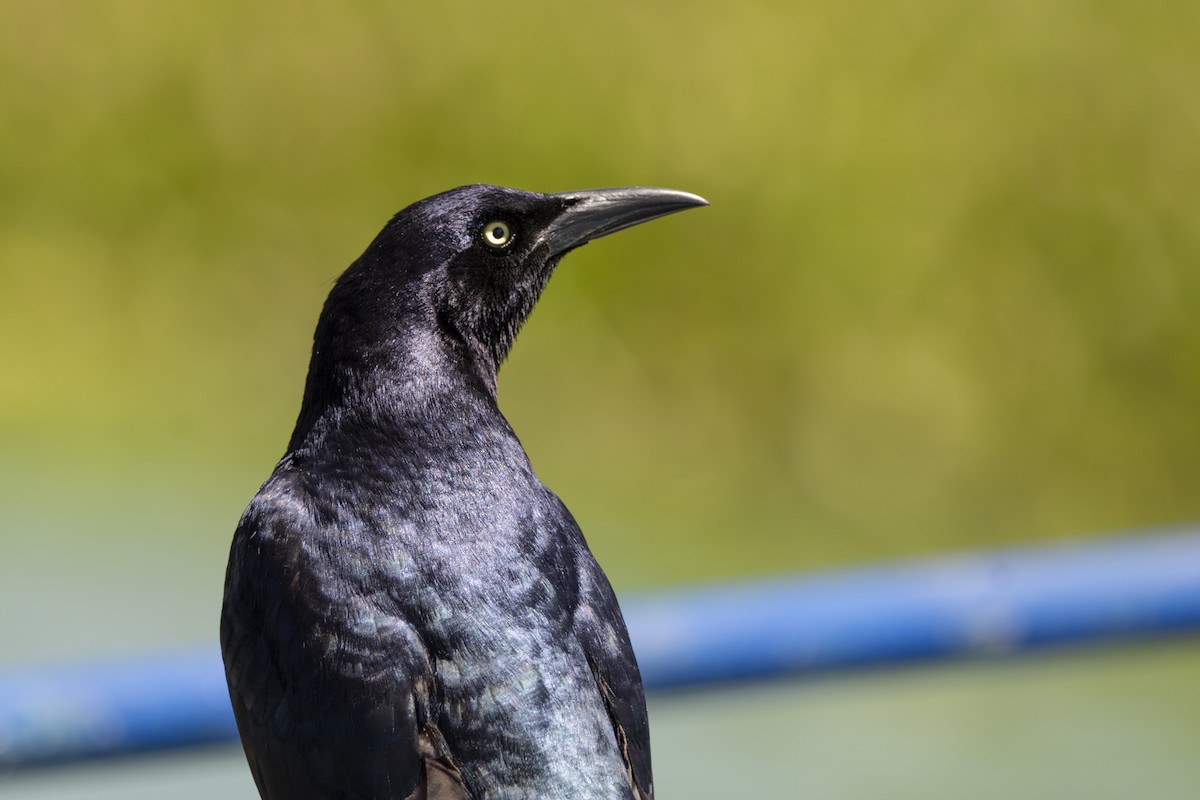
945	296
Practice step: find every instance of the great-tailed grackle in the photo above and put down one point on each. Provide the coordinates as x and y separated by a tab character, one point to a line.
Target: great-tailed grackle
409	612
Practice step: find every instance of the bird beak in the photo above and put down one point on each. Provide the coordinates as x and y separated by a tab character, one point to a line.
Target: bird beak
598	212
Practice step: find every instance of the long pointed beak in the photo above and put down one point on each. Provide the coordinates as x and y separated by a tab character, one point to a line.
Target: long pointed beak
594	213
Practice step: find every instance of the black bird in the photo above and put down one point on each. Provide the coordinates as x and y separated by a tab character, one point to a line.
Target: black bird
409	612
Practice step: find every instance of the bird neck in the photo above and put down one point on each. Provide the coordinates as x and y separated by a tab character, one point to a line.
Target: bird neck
396	384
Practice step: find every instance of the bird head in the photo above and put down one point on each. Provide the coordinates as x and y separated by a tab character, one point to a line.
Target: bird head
450	280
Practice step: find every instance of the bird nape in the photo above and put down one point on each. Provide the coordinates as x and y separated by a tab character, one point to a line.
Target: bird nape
409	612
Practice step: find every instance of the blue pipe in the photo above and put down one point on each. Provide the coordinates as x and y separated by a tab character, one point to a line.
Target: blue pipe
62	713
983	604
971	605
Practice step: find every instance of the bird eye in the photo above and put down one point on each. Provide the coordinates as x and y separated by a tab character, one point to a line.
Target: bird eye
497	234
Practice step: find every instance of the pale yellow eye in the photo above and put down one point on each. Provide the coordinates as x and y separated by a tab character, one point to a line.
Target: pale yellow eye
497	234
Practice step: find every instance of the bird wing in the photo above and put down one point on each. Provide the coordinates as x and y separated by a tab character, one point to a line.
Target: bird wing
601	630
330	688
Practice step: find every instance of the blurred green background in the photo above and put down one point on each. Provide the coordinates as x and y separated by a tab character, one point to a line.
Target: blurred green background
944	298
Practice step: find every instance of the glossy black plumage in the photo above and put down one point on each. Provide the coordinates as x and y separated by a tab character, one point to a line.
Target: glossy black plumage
409	612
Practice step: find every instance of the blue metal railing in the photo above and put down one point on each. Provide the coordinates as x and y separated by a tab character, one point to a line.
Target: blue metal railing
982	604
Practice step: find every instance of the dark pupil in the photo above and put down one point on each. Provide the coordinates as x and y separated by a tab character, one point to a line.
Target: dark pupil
497	232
